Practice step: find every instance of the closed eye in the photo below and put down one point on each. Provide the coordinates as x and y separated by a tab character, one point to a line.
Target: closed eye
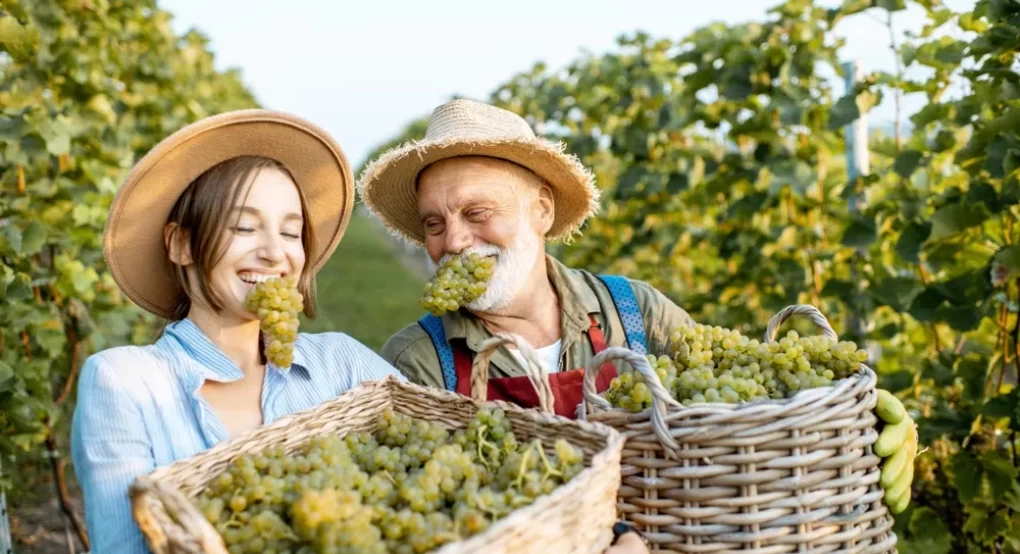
477	215
433	227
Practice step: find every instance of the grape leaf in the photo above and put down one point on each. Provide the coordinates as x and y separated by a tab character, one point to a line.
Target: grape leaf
13	235
1000	472
929	533
6	377
33	238
844	112
925	306
1005	406
906	163
965	475
19	289
892	5
986	526
955	218
911	239
860	233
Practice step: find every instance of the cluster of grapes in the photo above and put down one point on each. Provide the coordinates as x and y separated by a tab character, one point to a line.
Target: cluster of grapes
713	364
277	303
408	488
457	282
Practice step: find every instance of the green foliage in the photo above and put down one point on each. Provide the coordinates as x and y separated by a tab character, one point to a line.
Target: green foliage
86	87
721	157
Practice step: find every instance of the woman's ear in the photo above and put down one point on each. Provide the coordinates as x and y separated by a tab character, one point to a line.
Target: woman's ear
178	246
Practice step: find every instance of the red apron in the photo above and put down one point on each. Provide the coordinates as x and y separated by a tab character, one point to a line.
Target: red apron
566	385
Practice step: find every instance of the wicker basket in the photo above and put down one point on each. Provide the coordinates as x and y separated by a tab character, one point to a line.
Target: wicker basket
772	476
575	518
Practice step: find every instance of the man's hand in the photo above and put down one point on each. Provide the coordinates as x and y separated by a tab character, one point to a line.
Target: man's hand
628	543
897	443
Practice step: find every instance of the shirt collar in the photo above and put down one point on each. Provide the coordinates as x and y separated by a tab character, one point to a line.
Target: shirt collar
211	363
576	295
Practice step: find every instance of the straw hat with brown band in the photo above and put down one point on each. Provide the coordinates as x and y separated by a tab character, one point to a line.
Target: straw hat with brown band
461	127
133	239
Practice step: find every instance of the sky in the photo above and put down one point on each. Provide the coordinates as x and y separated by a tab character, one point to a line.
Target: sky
363	70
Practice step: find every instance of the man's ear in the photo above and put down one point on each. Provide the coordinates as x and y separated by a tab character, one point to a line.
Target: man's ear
545	209
177	244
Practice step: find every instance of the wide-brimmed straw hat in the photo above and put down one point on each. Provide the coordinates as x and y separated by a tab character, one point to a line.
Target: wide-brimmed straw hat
388	186
133	241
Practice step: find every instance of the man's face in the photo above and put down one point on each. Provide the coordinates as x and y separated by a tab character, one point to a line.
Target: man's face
490	207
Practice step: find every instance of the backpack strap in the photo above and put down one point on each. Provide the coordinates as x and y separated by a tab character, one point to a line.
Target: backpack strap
434	327
630	313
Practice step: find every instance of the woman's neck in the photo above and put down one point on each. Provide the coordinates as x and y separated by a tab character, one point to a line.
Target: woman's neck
239	340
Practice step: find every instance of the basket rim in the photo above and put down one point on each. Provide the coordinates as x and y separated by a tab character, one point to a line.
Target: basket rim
614	438
603	470
865	378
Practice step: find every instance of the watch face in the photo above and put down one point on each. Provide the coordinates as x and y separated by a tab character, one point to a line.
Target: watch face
621	528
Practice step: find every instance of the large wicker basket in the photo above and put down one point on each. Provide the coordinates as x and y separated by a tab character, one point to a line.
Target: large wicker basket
794	475
575	518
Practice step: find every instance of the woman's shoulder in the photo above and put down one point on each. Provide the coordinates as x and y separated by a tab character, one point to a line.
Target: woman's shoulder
124	367
338	351
333	343
125	354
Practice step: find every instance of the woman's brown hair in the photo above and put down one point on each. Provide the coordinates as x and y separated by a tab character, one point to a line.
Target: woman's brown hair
201	212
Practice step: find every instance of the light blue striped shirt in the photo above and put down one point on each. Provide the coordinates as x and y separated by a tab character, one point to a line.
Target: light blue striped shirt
139	408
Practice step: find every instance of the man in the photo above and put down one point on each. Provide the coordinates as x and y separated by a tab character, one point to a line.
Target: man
482	182
507	201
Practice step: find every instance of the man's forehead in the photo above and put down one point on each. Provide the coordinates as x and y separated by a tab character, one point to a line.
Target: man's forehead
467	176
457	195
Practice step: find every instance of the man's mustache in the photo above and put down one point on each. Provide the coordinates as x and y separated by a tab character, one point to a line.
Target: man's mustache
484	250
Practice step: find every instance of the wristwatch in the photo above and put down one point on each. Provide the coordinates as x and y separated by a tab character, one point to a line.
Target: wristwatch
621	528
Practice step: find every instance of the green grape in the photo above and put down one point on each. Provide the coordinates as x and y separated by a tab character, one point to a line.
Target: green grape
277	303
407	486
713	364
457	282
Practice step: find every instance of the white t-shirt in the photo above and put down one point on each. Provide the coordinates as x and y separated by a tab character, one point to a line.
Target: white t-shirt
548	355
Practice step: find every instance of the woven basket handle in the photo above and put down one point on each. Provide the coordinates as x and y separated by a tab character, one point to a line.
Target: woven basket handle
144	493
660	396
799	309
537	373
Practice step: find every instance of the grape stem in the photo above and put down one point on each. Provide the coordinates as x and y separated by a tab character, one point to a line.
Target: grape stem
549	468
482	442
522	468
490	511
233	521
519	501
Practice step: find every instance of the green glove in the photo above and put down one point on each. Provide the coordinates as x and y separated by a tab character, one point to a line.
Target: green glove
897	443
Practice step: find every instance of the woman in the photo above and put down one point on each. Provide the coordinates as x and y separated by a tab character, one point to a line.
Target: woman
213	209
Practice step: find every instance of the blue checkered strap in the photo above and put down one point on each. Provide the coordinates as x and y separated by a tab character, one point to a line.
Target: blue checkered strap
434	327
630	312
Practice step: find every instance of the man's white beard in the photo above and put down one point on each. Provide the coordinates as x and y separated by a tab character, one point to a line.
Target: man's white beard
513	267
